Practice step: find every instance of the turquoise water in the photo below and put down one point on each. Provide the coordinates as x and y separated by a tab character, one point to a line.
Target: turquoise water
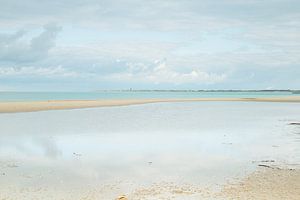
40	96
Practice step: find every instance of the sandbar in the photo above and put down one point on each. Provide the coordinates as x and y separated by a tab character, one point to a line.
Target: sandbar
30	106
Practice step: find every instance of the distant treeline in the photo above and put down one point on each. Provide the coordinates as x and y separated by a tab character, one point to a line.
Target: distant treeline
133	90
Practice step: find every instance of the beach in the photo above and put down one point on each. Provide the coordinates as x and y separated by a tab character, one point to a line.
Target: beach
190	149
150	100
29	106
265	184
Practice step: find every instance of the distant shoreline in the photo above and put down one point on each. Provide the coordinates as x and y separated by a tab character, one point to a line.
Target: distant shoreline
294	91
186	90
31	106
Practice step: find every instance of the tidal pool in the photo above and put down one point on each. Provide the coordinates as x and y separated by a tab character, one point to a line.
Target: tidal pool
77	154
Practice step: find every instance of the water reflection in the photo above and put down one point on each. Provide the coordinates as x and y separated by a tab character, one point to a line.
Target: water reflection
199	143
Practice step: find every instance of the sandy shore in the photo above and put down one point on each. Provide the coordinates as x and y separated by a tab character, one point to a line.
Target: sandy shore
39	150
263	184
9	107
275	184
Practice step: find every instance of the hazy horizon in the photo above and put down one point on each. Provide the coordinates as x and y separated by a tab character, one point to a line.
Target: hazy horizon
158	90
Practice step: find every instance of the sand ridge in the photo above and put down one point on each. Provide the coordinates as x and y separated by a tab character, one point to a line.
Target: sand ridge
11	107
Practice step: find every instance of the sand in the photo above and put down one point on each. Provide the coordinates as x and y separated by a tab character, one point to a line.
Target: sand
9	107
263	184
268	183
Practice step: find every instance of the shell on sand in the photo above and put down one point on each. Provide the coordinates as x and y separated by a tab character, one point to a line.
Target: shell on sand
122	197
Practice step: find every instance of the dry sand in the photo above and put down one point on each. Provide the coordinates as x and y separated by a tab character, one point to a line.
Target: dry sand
8	107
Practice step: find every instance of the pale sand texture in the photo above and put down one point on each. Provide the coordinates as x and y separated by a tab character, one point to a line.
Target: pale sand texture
8	107
273	184
264	184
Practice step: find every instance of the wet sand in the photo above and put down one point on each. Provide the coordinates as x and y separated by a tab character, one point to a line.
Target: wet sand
269	183
10	107
263	184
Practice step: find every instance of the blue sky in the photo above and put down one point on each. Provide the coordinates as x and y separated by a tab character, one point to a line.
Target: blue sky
92	44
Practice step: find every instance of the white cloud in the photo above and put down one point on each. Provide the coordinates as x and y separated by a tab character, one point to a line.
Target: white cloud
37	71
14	48
162	73
105	42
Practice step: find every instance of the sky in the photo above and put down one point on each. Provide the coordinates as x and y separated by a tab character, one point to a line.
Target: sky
86	45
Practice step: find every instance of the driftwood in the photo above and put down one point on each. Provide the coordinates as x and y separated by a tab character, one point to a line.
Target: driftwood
294	123
267	161
263	161
271	167
268	166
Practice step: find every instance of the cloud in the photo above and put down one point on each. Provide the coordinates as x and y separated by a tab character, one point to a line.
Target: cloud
108	44
162	73
46	40
11	38
37	71
15	49
193	15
